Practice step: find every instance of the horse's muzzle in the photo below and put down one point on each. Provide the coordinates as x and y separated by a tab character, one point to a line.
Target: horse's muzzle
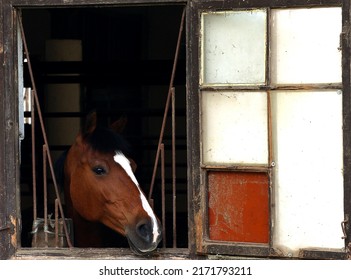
145	237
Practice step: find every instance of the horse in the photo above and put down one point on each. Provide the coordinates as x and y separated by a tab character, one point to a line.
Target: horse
100	188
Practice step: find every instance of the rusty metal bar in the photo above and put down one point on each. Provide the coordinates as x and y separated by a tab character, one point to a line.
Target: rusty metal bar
34	173
163	195
56	223
174	190
36	99
167	103
45	186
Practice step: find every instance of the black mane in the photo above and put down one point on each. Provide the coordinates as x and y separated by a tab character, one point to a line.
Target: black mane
106	140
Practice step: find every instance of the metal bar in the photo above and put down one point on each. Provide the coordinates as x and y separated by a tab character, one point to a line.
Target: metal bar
56	223
163	195
174	192
167	103
34	176
45	187
43	131
34	168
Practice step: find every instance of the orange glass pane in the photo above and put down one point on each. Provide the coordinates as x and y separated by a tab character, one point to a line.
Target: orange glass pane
238	206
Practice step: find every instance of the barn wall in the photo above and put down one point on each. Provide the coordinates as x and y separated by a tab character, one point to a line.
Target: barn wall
8	121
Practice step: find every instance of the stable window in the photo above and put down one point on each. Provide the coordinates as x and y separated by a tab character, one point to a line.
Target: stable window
271	131
264	164
124	71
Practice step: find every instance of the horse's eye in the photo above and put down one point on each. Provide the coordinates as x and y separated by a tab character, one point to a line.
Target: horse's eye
98	170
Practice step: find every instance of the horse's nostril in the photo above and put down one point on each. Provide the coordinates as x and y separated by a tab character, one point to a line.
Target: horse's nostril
144	230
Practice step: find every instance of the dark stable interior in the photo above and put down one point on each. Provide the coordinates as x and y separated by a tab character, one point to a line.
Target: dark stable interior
117	61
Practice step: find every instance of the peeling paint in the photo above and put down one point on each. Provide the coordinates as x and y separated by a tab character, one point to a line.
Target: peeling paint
198	231
238	206
13	221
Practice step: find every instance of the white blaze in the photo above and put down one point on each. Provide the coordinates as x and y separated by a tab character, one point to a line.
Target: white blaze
121	159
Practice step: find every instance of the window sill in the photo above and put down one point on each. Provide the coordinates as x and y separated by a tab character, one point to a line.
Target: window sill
97	254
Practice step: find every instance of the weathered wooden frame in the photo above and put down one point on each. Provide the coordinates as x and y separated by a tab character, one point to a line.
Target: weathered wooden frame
200	242
10	219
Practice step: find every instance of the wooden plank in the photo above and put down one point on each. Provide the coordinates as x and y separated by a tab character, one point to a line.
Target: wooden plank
55	3
228	5
315	254
98	254
346	78
238	206
3	221
240	250
9	135
195	233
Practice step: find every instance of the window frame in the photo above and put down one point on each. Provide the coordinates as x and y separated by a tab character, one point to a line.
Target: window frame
10	219
10	212
202	244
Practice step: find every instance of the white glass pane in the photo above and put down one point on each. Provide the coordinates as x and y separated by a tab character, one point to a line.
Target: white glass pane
308	175
305	46
234	127
234	47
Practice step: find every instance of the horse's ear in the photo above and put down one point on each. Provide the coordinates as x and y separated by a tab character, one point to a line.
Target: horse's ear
119	125
90	123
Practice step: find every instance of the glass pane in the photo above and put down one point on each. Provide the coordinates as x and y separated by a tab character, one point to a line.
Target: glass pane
234	47
238	206
234	127
308	151
305	46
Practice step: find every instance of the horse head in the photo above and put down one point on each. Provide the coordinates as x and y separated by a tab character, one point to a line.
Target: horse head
103	188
